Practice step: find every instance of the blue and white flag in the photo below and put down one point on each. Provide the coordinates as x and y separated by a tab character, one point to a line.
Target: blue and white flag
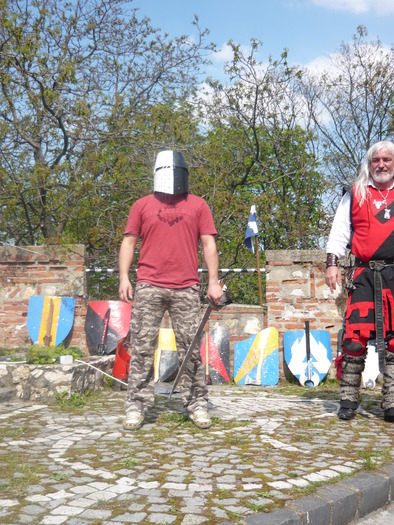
251	230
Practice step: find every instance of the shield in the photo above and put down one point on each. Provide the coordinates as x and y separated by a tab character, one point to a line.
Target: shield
219	355
122	358
50	319
166	355
295	355
256	359
106	322
371	368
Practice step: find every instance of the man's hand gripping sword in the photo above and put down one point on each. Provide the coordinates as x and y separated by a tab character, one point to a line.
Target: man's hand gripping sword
196	338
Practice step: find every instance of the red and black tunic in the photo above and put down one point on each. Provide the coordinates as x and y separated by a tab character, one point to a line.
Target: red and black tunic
373	240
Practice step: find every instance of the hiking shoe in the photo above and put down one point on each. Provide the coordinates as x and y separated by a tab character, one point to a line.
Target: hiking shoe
389	415
133	420
346	413
200	418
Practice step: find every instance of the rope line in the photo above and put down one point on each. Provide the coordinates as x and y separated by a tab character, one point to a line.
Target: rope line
200	270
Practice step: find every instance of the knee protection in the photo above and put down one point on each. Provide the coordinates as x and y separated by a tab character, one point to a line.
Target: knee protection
353	347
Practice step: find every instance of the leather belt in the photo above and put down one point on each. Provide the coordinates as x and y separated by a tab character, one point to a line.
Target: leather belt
374	264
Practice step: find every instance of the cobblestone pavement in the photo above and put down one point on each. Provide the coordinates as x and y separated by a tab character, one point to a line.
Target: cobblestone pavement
267	448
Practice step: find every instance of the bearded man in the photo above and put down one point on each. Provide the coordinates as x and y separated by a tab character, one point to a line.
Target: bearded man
364	222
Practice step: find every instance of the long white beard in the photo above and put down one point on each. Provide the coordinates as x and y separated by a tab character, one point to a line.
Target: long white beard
382	177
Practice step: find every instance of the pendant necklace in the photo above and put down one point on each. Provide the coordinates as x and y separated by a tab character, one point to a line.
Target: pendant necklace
387	213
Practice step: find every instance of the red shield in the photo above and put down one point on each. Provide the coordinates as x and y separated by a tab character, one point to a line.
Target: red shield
106	322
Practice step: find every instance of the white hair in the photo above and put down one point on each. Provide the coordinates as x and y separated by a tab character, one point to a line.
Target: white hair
361	183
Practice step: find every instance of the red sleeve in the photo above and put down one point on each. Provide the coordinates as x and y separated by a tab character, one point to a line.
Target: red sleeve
133	226
207	226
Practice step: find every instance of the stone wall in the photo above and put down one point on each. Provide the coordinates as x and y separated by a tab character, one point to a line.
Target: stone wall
295	291
42	382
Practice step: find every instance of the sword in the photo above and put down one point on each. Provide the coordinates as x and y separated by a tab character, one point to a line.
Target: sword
48	336
195	340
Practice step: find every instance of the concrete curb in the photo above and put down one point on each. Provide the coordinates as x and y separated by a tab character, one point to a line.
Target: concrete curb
336	504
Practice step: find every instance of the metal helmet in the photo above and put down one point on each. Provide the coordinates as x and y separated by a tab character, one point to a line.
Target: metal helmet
170	174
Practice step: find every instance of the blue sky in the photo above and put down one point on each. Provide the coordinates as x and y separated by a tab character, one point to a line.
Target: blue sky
311	30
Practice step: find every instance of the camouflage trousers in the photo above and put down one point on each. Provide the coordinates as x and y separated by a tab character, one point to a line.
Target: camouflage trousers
352	368
150	304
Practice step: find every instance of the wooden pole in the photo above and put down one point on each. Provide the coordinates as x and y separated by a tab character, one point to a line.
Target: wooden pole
256	244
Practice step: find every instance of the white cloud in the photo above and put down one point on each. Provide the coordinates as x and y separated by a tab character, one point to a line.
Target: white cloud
225	53
320	64
380	7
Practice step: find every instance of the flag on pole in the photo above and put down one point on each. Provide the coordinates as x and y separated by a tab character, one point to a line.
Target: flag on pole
251	230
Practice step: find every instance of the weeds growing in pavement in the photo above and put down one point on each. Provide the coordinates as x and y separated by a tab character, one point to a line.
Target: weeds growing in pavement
372	457
59	476
65	400
256	507
128	461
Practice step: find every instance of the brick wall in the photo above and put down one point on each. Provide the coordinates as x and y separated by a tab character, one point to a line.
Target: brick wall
39	270
295	291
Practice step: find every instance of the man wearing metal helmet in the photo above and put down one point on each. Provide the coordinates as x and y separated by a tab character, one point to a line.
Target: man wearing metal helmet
170	223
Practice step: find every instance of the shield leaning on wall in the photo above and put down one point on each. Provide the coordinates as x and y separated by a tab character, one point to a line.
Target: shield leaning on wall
256	359
50	319
118	315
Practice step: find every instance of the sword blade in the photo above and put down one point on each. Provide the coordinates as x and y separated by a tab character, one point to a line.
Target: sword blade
48	336
189	352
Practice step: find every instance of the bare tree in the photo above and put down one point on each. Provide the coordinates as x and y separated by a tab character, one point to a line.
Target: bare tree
351	106
267	154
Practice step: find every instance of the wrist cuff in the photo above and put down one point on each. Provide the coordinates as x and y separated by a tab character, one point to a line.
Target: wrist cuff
332	260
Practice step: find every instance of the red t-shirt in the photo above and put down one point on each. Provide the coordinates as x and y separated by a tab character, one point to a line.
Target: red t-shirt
170	234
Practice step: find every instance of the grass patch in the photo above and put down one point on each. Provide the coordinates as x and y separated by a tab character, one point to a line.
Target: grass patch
59	476
13	433
302	438
67	401
255	506
128	462
373	457
176	418
27	475
308	423
233	515
42	355
10	352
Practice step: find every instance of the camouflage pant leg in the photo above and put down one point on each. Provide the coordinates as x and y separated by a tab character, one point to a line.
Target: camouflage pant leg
185	314
388	381
352	368
148	310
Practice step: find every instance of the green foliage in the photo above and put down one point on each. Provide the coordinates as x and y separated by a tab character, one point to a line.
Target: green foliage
88	97
41	355
75	400
128	461
71	116
14	353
